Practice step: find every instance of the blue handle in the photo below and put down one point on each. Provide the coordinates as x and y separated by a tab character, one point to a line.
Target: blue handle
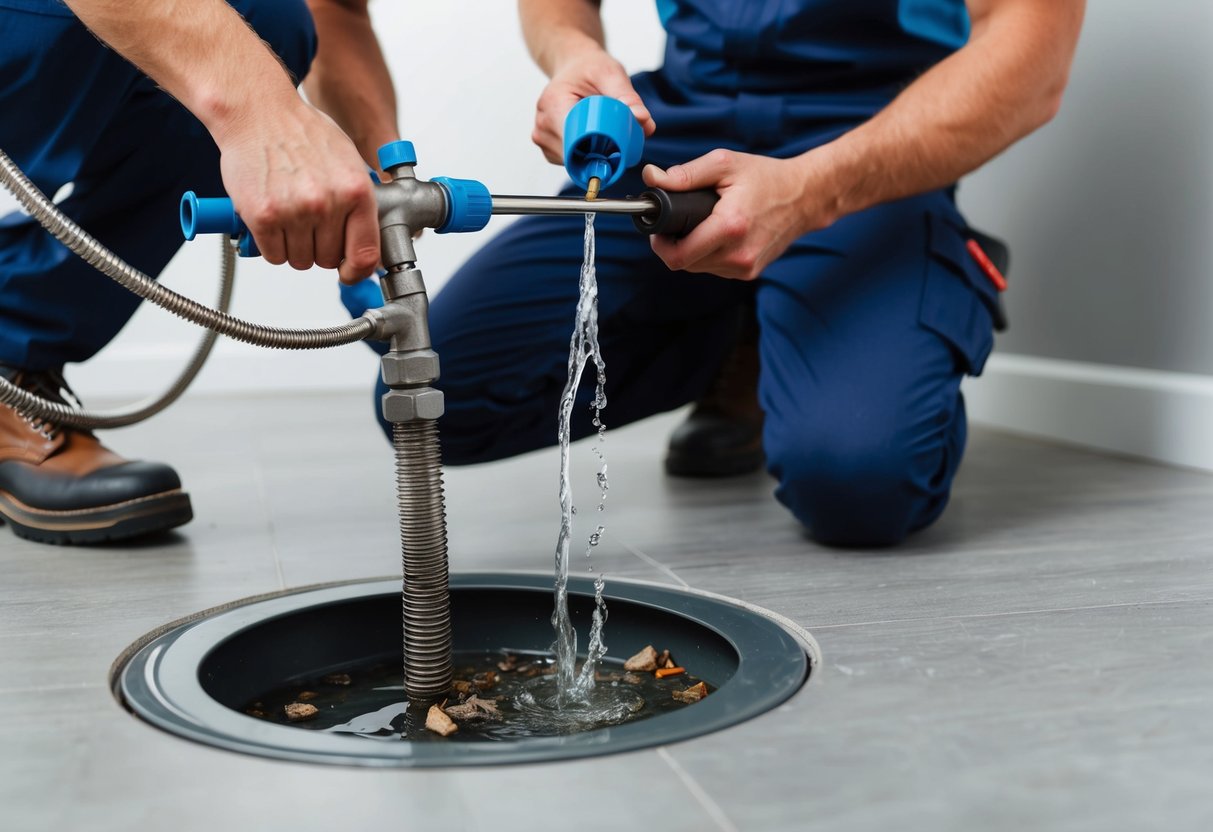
601	139
215	215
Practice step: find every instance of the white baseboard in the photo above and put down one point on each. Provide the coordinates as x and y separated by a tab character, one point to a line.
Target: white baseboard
1158	415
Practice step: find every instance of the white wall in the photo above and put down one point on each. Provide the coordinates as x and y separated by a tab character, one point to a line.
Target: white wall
1109	213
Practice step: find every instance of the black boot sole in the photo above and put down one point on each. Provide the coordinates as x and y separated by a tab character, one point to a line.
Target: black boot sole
121	521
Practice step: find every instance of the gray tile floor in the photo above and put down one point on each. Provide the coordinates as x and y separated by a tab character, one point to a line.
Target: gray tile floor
1039	659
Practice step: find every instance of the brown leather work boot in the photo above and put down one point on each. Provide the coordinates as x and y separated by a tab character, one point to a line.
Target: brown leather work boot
60	485
722	437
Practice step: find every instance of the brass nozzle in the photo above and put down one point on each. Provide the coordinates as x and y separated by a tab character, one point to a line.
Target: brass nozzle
591	193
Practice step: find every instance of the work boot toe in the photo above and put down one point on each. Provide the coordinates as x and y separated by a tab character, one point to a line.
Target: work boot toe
61	485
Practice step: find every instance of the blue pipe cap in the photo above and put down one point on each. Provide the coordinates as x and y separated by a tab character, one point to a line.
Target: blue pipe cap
469	206
394	154
601	139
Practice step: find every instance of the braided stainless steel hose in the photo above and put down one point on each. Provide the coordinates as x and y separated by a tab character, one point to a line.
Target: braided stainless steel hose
62	414
66	231
427	606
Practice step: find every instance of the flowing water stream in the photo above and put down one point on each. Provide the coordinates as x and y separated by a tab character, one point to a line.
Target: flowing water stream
573	686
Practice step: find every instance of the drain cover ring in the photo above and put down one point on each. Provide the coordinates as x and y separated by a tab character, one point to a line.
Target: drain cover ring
192	678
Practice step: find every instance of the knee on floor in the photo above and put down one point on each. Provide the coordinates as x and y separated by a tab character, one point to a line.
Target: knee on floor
850	492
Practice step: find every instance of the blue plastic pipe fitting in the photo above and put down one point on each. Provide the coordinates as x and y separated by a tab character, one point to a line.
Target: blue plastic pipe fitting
215	215
601	139
469	205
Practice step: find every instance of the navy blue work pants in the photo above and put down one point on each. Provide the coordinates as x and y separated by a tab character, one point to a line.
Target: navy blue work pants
72	110
867	329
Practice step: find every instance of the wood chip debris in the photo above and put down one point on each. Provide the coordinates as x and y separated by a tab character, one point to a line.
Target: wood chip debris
663	672
607	676
645	660
508	664
485	681
437	721
474	710
633	679
665	660
691	694
462	687
342	679
299	711
307	696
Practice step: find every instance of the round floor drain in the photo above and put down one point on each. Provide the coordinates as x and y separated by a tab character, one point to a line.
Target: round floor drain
197	677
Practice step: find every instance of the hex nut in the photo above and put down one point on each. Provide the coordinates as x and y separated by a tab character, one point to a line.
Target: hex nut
430	403
411	405
417	367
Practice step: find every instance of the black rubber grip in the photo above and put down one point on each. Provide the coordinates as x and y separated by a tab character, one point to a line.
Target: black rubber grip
678	212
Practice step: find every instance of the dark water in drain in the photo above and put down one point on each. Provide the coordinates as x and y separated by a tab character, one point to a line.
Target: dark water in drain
372	704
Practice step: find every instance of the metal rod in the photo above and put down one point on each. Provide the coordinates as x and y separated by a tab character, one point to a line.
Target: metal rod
549	205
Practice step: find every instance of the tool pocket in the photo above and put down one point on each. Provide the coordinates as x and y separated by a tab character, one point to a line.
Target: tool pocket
957	298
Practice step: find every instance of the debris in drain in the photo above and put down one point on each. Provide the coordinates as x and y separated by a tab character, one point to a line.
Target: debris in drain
437	721
257	712
508	663
307	695
633	679
299	711
646	659
605	676
691	694
485	681
473	710
336	679
665	660
462	687
664	672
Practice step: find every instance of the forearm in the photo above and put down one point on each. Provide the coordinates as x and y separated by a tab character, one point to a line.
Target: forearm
349	78
200	51
1004	84
557	30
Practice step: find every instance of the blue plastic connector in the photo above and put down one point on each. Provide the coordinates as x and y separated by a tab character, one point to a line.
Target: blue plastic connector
469	206
601	139
215	215
397	153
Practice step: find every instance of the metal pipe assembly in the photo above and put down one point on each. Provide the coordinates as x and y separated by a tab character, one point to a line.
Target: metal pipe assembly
412	405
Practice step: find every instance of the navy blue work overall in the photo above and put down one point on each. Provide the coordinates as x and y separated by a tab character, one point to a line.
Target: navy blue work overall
866	328
72	110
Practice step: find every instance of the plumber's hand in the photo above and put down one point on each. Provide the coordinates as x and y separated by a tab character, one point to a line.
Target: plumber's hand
589	73
299	185
765	204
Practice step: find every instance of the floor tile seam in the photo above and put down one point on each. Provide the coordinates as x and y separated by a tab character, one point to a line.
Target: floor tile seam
72	686
656	564
1012	613
268	513
697	791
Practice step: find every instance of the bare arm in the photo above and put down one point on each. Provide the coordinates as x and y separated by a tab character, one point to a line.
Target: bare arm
1002	85
566	40
293	175
349	79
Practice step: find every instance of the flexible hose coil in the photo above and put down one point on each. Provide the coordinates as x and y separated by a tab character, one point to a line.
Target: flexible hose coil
66	231
51	411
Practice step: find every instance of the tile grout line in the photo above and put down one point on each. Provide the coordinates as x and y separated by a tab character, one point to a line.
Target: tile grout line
660	567
263	493
692	785
816	627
